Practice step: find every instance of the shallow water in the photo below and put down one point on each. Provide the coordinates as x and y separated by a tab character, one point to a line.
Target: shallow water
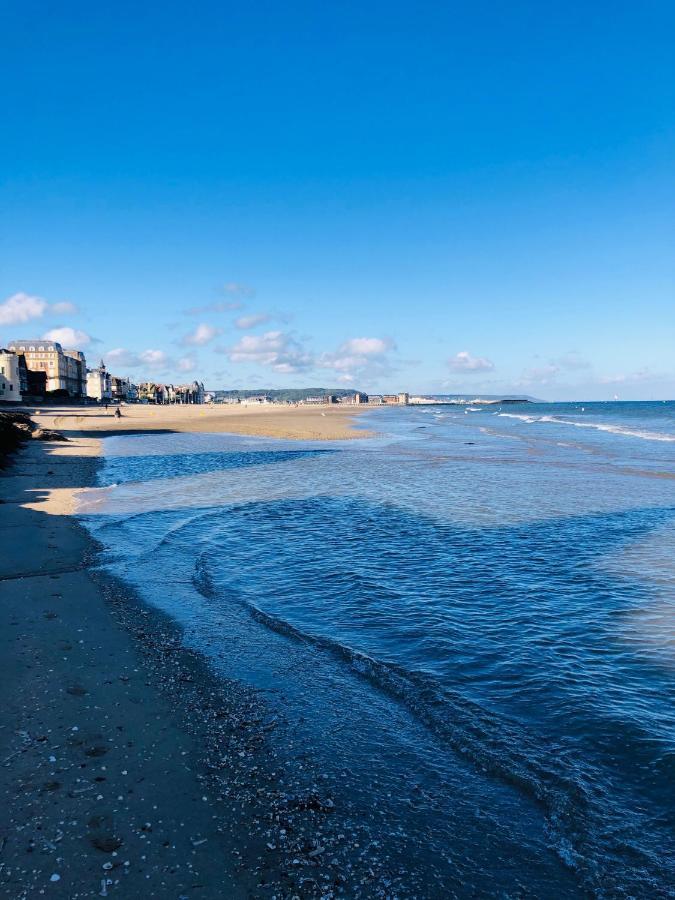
469	622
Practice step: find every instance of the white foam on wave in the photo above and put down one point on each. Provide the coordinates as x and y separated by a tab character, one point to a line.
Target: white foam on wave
598	426
528	419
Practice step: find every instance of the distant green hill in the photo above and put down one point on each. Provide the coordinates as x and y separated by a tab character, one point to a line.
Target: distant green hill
292	395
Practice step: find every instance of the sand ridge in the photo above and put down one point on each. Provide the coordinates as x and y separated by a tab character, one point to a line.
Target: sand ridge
276	421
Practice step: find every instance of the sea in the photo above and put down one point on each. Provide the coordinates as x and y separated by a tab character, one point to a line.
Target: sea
466	621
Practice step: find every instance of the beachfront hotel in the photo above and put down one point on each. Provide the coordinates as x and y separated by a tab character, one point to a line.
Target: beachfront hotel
65	370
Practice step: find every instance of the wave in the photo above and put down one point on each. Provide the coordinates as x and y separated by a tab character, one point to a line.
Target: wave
586	826
528	419
497	747
643	434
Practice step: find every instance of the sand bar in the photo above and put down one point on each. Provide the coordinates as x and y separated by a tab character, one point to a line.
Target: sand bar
293	422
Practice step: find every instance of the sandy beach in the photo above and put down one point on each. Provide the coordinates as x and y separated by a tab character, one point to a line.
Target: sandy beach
124	767
294	422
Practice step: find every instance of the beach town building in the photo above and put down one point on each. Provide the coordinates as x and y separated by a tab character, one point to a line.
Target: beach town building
123	389
10	377
5	391
189	393
32	382
63	372
99	383
257	400
29	381
76	373
151	392
155	392
357	397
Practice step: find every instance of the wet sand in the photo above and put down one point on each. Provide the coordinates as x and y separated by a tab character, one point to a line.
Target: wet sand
102	782
126	768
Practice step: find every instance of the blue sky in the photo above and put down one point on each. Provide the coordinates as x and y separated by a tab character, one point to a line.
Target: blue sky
438	197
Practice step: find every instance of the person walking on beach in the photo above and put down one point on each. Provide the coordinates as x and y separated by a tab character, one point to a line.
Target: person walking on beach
118	414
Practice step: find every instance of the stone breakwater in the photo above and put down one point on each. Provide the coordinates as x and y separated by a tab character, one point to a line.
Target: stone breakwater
17	427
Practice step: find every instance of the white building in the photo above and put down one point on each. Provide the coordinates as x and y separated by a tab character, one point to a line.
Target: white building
99	383
45	356
10	379
259	400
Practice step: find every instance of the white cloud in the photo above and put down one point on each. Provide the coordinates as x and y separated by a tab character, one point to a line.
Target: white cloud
64	308
121	357
203	334
285	354
152	362
341	363
464	362
365	346
154	359
277	349
149	359
363	356
69	338
21	308
245	322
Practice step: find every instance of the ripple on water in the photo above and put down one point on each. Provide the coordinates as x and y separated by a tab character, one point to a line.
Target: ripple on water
483	658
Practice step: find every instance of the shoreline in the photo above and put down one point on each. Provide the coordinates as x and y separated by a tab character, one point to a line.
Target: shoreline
126	764
102	771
